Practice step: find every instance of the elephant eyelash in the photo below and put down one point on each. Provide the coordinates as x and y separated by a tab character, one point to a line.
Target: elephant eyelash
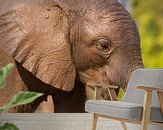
103	45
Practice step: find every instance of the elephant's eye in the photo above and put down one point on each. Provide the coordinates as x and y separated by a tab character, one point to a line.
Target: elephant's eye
103	44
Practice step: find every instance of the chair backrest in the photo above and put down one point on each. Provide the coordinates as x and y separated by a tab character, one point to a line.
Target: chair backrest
144	77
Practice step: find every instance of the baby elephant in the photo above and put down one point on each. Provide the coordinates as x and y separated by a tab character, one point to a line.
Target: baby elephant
59	45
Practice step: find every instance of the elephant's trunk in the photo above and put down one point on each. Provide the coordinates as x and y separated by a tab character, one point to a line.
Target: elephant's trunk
121	76
133	62
121	66
139	64
130	66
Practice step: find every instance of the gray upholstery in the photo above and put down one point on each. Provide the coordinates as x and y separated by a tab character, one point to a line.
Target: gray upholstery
146	77
132	105
116	109
131	111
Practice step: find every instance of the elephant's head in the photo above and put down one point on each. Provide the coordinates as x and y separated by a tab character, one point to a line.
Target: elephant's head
59	40
107	47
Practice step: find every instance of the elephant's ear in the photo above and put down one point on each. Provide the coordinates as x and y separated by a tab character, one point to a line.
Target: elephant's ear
37	37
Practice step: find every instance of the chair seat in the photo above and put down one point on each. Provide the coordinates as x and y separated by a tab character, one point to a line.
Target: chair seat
131	111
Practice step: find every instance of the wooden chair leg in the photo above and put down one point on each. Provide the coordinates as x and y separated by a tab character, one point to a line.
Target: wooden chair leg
146	110
124	125
94	123
160	98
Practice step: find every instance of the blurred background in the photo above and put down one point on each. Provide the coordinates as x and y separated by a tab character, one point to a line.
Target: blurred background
149	19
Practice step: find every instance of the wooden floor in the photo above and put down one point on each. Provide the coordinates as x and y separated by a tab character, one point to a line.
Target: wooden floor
62	121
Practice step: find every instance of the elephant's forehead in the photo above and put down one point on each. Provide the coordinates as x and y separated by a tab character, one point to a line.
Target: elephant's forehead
103	20
116	27
105	27
99	27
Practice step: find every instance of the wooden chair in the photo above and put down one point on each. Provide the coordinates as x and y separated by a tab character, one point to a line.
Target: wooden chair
98	89
97	96
138	107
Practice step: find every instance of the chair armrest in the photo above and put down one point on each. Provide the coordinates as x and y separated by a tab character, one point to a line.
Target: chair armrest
148	96
147	88
98	90
102	85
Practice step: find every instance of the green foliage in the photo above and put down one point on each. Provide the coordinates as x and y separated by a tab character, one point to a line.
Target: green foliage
20	99
121	94
4	72
8	126
149	18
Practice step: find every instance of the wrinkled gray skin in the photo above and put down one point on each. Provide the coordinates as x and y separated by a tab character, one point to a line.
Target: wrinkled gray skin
59	45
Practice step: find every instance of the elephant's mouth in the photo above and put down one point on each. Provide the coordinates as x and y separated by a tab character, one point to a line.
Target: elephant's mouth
101	78
97	79
116	77
106	94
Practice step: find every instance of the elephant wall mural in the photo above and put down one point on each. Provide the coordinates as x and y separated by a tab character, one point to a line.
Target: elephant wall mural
59	45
